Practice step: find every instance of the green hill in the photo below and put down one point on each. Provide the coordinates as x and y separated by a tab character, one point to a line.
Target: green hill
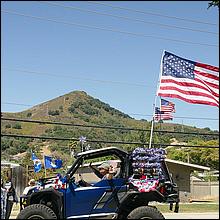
78	107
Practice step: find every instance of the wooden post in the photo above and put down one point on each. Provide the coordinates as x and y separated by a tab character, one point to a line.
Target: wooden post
45	172
26	183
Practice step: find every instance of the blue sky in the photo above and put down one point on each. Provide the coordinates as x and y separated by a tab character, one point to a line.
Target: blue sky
120	69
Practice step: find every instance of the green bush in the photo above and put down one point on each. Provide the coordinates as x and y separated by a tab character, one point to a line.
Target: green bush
8	126
17	126
29	114
53	112
61	108
72	109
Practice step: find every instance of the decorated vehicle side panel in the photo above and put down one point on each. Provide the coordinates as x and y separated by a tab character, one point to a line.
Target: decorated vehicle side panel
91	200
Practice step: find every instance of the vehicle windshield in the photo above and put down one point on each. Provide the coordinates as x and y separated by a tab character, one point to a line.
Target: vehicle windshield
91	170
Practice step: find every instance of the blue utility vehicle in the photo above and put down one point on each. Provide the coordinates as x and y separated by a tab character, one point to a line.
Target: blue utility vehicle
126	196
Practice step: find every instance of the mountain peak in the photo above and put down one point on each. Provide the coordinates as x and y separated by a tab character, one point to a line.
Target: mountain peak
76	105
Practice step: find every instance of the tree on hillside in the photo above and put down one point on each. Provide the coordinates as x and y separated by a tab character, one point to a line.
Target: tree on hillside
214	3
201	156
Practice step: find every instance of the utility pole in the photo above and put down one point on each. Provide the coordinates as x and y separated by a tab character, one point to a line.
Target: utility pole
187	150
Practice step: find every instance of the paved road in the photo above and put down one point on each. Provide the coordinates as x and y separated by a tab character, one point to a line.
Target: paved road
205	215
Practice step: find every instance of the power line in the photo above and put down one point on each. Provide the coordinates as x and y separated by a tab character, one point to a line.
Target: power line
103	141
152	13
107	29
177	117
104	127
80	78
13	103
127	18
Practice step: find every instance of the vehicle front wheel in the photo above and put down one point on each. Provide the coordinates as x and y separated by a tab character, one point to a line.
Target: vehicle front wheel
37	211
145	212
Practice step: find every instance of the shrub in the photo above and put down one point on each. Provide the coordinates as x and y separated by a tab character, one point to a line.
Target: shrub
29	114
71	109
8	126
17	126
53	112
61	108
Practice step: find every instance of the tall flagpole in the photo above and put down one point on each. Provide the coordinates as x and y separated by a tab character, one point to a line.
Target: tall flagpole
160	121
152	123
154	105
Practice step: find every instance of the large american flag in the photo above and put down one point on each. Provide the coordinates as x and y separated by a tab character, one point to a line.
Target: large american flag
167	106
162	115
189	81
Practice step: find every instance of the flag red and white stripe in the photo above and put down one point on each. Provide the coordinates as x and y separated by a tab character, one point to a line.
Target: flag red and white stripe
161	115
189	81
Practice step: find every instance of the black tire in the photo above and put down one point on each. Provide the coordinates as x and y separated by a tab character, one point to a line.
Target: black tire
145	212
37	211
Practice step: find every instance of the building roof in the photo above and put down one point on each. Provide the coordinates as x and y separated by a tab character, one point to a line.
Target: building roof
105	149
9	164
98	163
193	166
194	178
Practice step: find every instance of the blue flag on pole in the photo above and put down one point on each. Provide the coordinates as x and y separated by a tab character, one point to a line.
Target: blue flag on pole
58	163
37	163
51	163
